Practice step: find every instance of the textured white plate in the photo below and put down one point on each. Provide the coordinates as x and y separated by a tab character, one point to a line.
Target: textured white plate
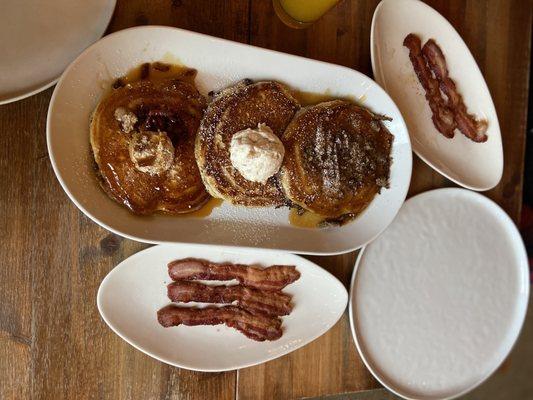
131	294
438	300
220	63
477	166
38	39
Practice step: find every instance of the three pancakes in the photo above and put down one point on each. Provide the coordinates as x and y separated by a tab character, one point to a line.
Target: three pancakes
337	154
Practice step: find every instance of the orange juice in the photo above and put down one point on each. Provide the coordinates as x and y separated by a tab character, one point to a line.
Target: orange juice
302	13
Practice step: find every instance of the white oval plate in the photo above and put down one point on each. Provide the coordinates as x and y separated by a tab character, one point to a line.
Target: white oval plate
40	38
134	290
438	300
220	63
476	166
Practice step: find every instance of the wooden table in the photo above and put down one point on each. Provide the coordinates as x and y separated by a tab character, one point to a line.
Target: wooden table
53	343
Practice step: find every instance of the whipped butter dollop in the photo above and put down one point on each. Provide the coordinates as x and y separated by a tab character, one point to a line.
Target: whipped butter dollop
256	153
151	152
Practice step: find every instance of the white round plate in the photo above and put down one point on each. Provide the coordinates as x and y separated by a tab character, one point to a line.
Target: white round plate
131	294
40	38
438	300
476	166
220	63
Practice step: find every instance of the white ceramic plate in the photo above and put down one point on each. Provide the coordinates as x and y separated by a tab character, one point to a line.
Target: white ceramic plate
220	63
477	166
438	300
40	38
132	292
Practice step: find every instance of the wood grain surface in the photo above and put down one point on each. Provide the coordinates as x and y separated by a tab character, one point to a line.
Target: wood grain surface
53	344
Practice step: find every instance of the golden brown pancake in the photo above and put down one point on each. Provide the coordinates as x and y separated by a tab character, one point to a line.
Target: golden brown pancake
242	106
142	137
337	157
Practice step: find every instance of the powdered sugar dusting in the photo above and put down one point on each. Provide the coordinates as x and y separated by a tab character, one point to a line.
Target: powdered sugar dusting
340	152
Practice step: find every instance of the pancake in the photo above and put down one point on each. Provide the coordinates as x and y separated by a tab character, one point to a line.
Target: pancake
243	106
337	157
142	137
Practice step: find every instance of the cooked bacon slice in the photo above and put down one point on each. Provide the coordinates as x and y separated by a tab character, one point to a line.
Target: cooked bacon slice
467	123
256	301
443	116
275	277
255	326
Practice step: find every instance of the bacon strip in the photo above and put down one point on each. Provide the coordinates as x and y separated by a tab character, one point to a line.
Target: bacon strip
271	303
275	277
467	123
443	116
254	326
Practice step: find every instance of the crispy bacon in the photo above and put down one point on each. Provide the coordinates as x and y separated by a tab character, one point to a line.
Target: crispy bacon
256	301
255	326
275	277
467	123
443	116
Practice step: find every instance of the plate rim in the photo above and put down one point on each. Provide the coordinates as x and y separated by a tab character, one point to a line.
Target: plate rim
238	249
377	71
525	273
23	94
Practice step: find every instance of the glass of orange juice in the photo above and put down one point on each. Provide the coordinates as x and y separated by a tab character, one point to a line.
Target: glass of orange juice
301	13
